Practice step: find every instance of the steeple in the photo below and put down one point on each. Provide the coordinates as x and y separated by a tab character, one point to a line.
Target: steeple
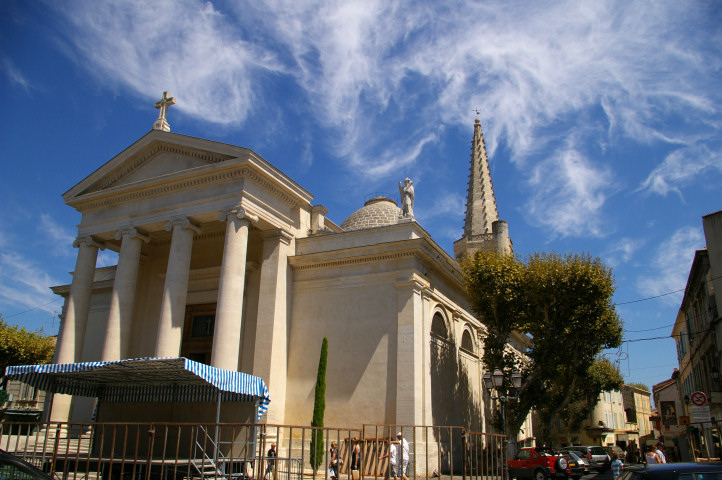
482	227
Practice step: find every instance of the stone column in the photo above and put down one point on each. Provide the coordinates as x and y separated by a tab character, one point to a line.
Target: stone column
175	289
229	311
270	352
70	343
75	319
122	301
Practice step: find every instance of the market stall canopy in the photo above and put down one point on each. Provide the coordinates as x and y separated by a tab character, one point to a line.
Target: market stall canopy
145	380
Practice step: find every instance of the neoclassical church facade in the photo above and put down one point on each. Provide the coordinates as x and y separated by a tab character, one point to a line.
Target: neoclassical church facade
225	260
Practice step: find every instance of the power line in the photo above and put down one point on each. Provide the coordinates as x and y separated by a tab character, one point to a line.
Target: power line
34	308
674	335
649	298
661	294
646	339
650	329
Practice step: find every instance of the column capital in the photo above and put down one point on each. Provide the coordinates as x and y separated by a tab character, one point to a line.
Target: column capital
279	233
131	232
238	212
88	241
413	283
183	222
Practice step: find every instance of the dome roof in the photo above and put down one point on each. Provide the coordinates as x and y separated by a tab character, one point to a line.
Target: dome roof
377	212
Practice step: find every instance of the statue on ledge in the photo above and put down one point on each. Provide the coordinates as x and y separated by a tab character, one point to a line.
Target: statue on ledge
406	190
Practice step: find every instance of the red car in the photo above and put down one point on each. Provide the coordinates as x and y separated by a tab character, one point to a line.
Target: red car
538	463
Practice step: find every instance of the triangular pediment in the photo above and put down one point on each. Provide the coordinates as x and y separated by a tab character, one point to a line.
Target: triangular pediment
155	156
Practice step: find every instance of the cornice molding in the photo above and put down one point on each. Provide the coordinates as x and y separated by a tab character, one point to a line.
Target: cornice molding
351	261
208	178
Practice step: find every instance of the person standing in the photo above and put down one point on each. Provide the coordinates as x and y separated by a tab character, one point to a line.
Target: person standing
393	460
660	452
356	460
617	466
271	460
404	454
651	457
333	464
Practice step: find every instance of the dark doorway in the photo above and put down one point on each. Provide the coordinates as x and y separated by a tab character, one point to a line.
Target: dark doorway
198	332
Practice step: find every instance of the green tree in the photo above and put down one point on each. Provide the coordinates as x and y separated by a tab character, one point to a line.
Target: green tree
19	346
563	304
319	408
602	376
640	386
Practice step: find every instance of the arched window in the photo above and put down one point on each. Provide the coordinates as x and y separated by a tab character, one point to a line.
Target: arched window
438	326
466	342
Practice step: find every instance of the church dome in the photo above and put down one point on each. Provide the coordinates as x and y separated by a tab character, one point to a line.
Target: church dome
377	212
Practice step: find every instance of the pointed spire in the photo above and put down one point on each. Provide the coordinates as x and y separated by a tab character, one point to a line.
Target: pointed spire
482	217
481	209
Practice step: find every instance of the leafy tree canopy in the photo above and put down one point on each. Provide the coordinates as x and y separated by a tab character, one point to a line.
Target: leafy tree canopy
564	304
640	386
602	376
19	346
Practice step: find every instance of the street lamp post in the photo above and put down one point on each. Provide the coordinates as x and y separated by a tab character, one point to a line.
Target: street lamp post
495	381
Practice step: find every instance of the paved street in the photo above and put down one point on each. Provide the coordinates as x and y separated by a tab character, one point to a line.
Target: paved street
606	475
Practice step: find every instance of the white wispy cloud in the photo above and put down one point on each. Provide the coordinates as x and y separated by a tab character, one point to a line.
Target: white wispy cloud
670	264
622	251
58	238
604	71
25	284
680	168
443	205
187	48
15	75
568	193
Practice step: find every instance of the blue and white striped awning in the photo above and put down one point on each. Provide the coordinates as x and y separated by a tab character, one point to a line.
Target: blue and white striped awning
145	380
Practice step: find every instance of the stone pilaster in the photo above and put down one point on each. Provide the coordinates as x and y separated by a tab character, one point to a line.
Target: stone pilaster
175	289
229	311
122	301
409	351
271	348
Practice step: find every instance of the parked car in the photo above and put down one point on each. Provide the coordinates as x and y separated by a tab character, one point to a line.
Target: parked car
538	463
15	468
673	471
577	466
595	456
615	449
582	459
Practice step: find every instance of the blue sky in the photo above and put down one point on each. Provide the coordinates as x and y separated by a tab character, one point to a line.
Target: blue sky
602	120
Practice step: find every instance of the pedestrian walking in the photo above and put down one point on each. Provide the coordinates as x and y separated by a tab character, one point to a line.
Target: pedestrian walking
617	466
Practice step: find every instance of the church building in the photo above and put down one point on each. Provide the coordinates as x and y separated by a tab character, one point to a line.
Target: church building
225	260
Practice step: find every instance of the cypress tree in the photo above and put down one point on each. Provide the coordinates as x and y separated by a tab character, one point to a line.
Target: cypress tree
319	407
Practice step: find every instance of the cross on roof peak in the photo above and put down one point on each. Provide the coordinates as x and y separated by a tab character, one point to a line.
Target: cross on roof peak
162	105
